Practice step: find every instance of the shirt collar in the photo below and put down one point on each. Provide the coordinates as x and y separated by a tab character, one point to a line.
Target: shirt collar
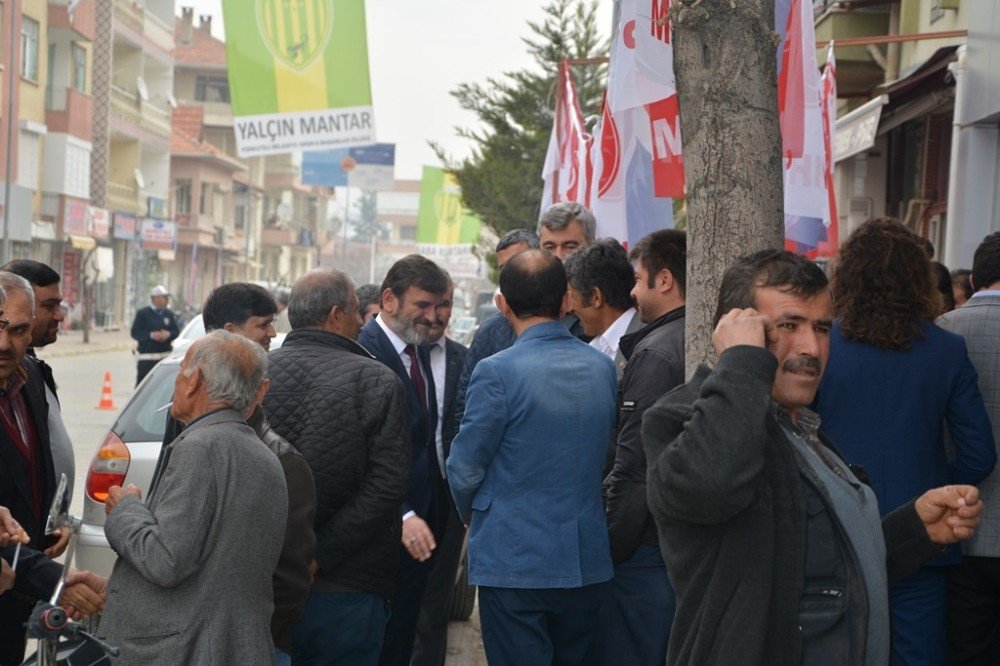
440	344
613	335
985	292
397	342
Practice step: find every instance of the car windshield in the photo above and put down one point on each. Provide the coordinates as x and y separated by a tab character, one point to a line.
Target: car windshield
142	420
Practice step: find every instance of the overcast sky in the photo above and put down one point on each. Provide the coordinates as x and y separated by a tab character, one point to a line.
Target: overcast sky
419	51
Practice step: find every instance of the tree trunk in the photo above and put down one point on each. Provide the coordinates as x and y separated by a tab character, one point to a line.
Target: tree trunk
725	62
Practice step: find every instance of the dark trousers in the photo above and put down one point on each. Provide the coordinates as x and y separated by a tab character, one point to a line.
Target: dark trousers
411	579
340	628
637	612
142	369
13	614
974	612
431	644
919	605
552	627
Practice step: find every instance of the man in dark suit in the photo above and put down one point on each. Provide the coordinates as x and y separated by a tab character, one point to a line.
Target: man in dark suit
447	359
154	327
26	477
412	290
48	315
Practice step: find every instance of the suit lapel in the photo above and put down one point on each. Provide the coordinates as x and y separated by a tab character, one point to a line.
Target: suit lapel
452	372
12	462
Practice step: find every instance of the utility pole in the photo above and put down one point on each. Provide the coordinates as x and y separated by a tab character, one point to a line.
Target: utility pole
12	77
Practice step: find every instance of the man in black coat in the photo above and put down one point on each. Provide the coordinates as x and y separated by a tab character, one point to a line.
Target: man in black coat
154	328
773	542
347	415
412	291
447	358
639	607
26	472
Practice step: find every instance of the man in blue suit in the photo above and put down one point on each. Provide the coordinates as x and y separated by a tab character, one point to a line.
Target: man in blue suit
525	472
412	290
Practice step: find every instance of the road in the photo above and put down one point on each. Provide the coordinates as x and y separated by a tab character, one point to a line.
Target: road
81	377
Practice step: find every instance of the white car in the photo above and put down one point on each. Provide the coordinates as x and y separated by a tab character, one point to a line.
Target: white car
129	453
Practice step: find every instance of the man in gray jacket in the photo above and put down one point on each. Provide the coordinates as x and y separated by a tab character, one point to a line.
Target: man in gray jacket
192	584
974	625
773	542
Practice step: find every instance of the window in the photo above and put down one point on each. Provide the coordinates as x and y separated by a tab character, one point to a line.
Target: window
182	197
207	193
79	67
29	152
29	48
408	232
211	89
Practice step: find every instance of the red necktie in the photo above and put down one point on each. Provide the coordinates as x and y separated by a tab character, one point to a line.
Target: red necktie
416	377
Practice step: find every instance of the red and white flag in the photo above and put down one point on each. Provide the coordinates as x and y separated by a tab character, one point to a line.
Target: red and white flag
637	150
566	173
828	109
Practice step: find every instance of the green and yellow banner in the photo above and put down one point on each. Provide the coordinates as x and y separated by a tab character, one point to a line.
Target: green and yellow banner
298	74
444	224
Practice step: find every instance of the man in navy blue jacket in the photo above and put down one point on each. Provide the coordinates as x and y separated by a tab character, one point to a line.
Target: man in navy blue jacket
412	290
525	472
154	328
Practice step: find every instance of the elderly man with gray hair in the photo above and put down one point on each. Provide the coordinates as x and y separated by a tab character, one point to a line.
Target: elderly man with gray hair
348	416
192	584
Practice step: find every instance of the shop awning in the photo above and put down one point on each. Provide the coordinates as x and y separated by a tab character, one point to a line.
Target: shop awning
856	131
82	242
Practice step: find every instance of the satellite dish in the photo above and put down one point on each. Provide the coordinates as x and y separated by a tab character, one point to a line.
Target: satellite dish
172	101
140	85
140	181
284	212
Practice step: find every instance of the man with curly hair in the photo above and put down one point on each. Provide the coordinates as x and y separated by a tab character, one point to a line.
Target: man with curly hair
894	383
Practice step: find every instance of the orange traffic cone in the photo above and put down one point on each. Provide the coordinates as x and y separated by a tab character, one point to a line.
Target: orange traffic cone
106	400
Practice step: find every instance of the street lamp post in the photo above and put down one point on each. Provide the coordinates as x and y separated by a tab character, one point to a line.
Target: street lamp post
11	110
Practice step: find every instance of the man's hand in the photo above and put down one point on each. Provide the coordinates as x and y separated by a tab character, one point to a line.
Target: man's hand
950	513
161	335
10	530
116	493
59	547
743	327
6	576
417	538
313	570
84	594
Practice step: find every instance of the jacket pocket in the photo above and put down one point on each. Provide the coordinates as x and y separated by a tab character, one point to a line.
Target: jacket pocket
482	501
824	626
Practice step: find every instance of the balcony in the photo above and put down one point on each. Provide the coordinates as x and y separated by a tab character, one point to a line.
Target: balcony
277	237
123	197
196	221
857	70
154	119
129	13
69	111
125	104
158	33
83	23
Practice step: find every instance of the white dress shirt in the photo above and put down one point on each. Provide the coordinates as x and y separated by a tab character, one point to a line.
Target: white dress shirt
439	365
399	345
607	342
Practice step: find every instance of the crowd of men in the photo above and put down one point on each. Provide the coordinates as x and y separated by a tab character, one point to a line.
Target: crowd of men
311	503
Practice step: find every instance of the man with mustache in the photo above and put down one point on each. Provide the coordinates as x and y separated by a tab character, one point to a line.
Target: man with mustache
411	292
27	482
48	315
773	541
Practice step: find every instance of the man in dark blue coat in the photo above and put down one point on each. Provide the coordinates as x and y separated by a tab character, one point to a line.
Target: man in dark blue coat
411	293
154	327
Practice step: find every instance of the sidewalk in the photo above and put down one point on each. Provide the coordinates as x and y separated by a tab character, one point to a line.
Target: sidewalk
70	343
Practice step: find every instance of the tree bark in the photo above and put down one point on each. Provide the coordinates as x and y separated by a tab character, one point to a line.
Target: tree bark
725	62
